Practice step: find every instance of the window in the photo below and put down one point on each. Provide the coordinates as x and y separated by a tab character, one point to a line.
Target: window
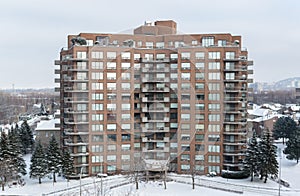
137	56
111	168
97	96
214	159
185	97
97	127
111	127
214	117
173	85
213	148
208	41
185	117
199	127
229	76
222	42
185	76
214	97
200	55
230	55
125	86
214	65
97	159
125	137
214	55
97	106
111	106
185	157
213	86
125	117
97	65
199	137
81	65
125	65
200	66
185	86
111	158
125	55
97	117
185	167
160	56
214	107
199	157
125	76
186	66
185	126
125	147
111	65
185	106
112	137
111	147
185	55
125	106
97	148
97	138
149	44
199	147
200	117
214	128
214	169
214	76
97	55
199	106
97	76
200	76
200	97
213	138
111	55
125	127
173	76
81	55
173	105
174	56
111	86
160	44
199	86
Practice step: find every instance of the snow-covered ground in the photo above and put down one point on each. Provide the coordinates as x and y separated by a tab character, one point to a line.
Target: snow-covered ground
180	185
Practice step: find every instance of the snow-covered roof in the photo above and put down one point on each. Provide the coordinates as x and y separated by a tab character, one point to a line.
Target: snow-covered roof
48	125
259	112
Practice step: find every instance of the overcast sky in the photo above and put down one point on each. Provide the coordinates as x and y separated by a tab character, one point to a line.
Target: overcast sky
32	32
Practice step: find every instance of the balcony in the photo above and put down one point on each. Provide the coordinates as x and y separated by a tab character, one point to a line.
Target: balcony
232	163
166	89
242	133
57	89
79	154
57	71
71	111
57	62
165	119
155	70
235	58
235	89
163	109
73	79
240	121
153	100
68	121
164	149
71	89
57	80
155	80
236	69
68	132
165	139
236	79
149	60
156	130
75	100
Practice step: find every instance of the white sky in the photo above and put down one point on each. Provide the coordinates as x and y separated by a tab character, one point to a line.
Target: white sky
32	32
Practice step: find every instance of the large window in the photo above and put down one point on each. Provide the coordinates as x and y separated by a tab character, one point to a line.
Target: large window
213	148
200	55
214	76
97	55
214	65
97	86
81	55
97	65
111	55
97	76
214	55
208	41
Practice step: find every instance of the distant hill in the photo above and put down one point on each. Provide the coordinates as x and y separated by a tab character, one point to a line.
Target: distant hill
286	84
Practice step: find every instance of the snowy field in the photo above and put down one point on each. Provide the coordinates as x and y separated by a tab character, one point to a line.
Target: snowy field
181	185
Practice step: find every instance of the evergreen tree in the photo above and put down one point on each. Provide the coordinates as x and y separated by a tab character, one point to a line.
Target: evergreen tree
54	157
39	165
27	136
267	158
16	150
252	156
284	128
8	170
292	149
67	164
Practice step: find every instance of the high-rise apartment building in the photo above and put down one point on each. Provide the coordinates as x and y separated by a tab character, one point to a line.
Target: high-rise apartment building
154	97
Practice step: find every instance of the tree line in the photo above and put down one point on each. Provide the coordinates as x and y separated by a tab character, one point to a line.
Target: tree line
18	142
